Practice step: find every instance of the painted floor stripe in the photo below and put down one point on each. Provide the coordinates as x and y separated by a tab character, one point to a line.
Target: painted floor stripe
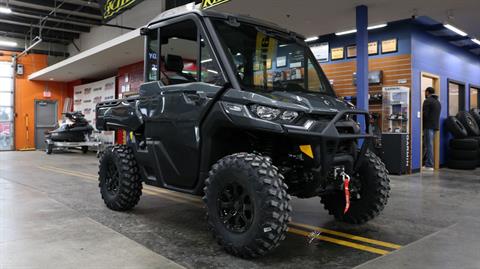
349	236
195	201
338	241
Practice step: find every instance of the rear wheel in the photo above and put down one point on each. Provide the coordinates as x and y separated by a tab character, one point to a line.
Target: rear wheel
120	184
374	191
247	205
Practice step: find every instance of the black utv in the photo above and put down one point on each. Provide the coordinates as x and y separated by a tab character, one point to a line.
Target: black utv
238	110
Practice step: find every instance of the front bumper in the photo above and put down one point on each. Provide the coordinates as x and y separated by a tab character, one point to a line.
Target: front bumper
325	141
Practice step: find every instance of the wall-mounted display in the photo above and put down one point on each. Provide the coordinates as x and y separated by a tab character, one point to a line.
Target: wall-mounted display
281	61
321	51
351	51
390	45
373	48
338	53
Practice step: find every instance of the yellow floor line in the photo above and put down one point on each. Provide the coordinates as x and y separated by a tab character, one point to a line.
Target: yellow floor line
349	236
177	197
339	242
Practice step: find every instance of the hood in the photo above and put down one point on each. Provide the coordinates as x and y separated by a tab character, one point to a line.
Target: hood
312	102
434	96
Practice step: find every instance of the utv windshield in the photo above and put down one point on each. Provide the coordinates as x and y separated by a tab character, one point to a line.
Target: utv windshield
270	60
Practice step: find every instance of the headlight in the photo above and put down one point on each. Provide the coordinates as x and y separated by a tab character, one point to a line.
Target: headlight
272	114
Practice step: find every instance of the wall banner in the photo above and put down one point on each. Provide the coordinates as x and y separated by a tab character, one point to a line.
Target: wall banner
112	8
87	96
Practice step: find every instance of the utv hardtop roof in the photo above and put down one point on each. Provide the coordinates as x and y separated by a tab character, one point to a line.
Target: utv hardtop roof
190	9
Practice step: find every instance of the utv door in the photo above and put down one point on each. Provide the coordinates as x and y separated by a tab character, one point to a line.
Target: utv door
186	78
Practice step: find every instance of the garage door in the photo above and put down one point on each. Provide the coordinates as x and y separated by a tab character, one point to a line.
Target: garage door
6	106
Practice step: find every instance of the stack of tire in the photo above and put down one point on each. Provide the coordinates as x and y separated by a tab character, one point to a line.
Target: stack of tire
464	148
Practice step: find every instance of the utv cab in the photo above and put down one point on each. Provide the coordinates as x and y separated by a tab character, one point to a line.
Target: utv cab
238	111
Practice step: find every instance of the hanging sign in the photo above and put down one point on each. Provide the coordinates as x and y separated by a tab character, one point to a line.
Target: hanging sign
112	8
211	3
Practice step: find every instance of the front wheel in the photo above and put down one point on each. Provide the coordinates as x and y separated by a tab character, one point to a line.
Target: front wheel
247	205
119	182
373	192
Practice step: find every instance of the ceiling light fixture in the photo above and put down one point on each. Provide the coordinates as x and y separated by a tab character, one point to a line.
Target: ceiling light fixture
5	10
8	43
310	39
476	41
455	29
373	27
377	26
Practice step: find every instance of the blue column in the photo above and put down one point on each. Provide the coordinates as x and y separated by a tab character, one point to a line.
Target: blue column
362	57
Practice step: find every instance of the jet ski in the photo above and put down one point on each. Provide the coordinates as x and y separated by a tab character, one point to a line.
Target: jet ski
76	129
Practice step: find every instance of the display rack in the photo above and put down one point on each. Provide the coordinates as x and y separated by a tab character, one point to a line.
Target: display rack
396	108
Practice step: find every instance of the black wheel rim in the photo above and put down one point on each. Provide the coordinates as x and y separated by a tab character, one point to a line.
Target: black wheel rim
236	208
112	179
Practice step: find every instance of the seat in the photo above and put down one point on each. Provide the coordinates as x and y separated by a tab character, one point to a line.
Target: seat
174	70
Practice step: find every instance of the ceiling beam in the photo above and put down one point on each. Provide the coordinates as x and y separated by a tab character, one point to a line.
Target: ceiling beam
47	39
91	4
41	27
58	10
60	26
54	19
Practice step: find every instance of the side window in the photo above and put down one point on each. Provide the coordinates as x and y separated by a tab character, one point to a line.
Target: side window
152	56
210	71
179	53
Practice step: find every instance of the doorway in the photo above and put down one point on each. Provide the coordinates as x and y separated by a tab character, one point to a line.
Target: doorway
474	97
6	106
429	80
45	120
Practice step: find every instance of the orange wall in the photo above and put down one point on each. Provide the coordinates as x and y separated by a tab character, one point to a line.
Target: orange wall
26	92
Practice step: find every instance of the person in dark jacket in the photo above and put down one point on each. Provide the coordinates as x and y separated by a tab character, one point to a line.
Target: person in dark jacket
431	124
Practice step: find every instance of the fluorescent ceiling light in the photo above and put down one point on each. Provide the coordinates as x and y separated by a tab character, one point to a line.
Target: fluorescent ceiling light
206	61
346	32
310	39
8	43
377	26
476	41
5	10
455	29
373	27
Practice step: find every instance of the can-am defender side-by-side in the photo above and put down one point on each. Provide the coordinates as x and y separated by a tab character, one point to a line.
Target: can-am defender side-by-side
75	130
238	110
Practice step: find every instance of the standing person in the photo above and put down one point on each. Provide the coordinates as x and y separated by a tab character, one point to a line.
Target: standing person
431	119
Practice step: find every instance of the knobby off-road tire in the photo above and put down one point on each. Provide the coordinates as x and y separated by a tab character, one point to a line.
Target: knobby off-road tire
120	184
265	213
375	191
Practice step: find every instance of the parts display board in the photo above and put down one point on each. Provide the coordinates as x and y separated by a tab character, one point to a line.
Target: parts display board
87	96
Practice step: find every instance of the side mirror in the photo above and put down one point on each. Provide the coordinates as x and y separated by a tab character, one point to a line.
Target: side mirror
144	31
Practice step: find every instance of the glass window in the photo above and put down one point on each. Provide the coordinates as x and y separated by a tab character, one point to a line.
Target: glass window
456	98
6	99
6	113
209	69
179	53
269	60
6	84
474	98
6	138
152	55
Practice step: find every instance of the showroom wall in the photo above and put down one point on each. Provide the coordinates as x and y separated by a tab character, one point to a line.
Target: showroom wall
434	55
26	92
